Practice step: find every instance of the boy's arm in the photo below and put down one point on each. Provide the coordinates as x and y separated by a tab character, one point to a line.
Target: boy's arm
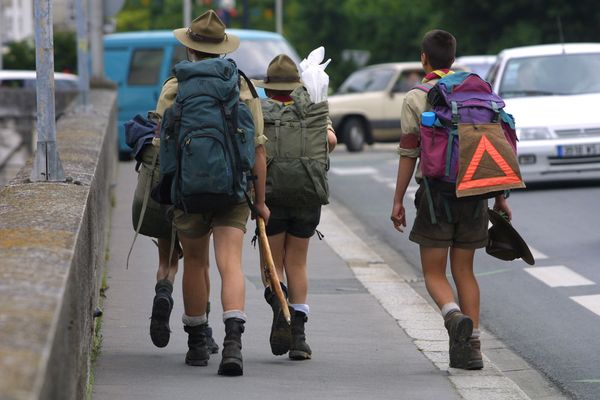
500	204
260	172
406	167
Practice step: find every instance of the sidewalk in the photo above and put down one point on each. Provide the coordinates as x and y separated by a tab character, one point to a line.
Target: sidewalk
359	350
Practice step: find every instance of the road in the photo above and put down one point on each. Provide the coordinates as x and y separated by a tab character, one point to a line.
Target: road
548	313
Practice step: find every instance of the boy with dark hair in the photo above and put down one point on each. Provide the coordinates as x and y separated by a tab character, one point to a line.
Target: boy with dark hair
441	240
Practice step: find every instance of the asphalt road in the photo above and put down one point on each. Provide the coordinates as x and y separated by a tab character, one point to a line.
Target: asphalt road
548	313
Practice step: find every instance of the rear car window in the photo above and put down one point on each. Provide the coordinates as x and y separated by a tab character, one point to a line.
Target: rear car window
145	67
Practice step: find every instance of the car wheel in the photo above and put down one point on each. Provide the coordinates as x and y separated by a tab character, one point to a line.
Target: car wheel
354	134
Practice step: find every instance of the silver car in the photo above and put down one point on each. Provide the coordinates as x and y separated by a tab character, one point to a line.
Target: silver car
553	91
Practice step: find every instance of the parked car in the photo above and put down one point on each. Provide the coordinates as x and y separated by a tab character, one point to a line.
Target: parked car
25	79
478	64
366	107
139	62
553	92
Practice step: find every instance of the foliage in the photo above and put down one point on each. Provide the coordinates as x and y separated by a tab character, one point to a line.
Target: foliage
391	30
21	54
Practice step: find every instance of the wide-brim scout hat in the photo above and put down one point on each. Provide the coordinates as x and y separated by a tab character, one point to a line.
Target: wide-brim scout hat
282	74
207	34
504	242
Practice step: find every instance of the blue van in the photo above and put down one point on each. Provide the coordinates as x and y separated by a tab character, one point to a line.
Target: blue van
139	62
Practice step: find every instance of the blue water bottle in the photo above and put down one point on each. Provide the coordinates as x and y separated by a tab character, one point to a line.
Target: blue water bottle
427	118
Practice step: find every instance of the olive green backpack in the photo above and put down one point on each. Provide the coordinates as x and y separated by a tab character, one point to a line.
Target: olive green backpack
297	153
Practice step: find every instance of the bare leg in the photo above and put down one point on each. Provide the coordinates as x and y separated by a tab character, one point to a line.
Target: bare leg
433	261
166	270
277	245
195	269
461	261
296	252
228	242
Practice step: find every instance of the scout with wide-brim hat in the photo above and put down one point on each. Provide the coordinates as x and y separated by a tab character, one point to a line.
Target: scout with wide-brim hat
207	34
282	74
505	242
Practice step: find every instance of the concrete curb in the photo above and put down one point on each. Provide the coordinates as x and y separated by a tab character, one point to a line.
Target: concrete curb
422	322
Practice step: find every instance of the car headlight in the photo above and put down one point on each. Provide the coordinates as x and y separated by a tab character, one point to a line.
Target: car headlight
539	133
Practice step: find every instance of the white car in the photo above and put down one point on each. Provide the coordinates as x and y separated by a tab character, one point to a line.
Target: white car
553	91
479	64
25	79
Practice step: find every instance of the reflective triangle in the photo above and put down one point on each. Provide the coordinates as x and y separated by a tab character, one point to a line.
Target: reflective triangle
485	146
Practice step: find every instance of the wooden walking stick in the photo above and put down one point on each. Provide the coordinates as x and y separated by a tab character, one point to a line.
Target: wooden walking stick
268	268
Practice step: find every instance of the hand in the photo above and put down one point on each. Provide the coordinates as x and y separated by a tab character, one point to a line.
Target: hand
398	216
263	211
501	205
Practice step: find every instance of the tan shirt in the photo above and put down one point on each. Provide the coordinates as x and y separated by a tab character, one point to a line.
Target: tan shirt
169	92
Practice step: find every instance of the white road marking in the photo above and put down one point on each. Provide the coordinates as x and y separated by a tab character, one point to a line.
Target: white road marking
384	179
558	276
345	171
537	255
591	302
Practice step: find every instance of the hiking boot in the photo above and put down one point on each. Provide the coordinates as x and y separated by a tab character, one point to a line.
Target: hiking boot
460	328
299	349
475	360
161	311
197	354
213	347
281	335
231	362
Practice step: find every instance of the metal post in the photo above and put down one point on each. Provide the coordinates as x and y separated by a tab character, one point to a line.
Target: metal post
83	53
187	12
279	16
46	165
96	13
2	25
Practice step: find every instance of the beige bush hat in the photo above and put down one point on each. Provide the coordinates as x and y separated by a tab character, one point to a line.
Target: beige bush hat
282	74
207	34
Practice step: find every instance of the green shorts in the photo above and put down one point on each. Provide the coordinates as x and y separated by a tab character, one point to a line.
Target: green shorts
156	223
466	227
198	225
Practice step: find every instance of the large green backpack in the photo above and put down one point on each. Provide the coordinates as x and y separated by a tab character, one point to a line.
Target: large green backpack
297	153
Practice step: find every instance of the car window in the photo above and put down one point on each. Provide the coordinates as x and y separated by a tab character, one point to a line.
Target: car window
145	67
493	72
367	80
408	79
252	57
563	74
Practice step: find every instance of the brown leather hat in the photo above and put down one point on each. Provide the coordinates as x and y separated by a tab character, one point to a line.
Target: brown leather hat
504	242
282	74
207	34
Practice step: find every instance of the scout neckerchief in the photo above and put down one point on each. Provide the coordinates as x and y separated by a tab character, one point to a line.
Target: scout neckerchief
437	74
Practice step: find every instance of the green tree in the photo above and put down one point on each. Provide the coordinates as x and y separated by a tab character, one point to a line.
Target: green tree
21	54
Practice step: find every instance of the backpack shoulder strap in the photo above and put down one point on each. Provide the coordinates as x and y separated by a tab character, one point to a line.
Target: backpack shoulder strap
250	84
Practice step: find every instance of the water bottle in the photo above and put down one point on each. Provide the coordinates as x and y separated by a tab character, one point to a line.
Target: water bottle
427	118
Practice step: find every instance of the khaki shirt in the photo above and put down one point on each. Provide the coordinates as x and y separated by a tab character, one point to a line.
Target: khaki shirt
414	104
169	92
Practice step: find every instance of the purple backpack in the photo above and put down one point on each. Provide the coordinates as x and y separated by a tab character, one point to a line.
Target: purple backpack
458	98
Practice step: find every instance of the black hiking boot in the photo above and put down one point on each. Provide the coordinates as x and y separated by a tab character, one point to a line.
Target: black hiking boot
299	349
460	328
281	335
161	311
231	363
213	347
197	354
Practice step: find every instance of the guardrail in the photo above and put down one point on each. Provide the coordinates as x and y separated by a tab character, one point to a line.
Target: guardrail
52	254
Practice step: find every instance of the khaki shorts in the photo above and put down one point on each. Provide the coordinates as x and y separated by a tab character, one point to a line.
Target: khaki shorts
155	223
198	225
467	228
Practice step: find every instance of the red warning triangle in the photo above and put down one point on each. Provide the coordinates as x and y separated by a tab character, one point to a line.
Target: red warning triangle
485	146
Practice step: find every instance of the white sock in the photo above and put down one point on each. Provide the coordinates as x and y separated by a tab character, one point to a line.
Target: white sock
448	308
301	307
234	314
476	333
194	321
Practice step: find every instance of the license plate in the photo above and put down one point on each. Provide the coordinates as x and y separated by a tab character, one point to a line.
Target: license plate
578	150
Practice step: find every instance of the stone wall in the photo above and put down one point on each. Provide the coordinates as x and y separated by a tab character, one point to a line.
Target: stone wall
52	255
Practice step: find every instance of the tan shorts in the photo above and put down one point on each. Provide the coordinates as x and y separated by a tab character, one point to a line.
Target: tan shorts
198	225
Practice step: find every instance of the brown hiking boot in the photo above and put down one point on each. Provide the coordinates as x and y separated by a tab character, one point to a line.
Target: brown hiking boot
476	360
281	334
460	328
